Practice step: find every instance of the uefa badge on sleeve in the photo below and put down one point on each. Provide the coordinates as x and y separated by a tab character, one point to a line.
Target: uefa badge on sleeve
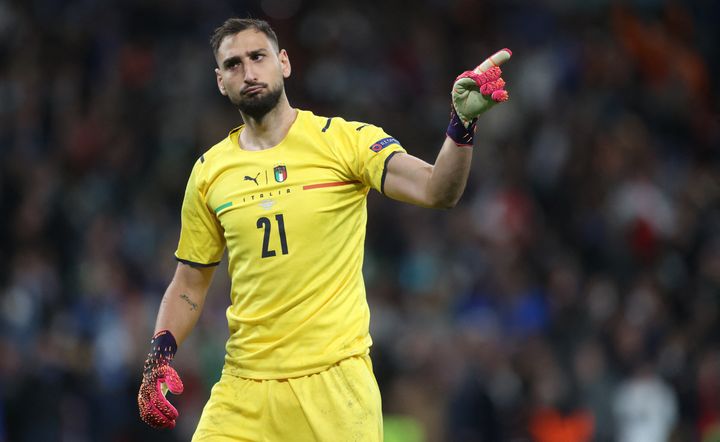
382	144
280	173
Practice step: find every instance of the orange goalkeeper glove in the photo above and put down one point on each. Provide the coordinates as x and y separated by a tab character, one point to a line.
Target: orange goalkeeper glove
475	92
155	410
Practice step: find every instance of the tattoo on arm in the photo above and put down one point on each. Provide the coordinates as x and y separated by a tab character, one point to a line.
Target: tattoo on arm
193	306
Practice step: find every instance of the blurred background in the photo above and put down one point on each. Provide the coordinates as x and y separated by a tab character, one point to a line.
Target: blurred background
573	295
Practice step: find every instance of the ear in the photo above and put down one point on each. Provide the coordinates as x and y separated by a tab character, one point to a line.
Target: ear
220	84
285	63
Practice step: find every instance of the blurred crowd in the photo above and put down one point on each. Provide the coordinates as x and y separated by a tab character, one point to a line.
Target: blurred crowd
573	294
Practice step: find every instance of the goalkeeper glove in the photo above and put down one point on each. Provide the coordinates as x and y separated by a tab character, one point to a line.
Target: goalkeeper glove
155	410
474	92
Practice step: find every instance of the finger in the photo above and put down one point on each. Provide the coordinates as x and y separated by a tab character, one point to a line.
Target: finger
491	74
173	382
495	59
500	95
156	419
150	414
489	88
162	404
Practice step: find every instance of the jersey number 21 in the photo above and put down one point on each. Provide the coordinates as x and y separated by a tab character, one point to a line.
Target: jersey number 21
266	224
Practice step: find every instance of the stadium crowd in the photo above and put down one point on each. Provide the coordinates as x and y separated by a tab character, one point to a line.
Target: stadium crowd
572	295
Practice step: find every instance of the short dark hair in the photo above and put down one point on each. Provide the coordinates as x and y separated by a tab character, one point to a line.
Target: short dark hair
234	25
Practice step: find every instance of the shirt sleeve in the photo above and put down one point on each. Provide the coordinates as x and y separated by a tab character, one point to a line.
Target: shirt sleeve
202	241
374	149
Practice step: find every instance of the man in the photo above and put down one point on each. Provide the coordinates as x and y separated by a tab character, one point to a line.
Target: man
286	194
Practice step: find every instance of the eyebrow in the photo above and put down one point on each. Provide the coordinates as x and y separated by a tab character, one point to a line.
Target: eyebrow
257	52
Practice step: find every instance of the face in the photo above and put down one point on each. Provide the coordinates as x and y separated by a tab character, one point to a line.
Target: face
251	72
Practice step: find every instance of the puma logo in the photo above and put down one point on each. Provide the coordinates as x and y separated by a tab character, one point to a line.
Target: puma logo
249	178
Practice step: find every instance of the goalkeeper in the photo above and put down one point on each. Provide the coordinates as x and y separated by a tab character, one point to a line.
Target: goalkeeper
285	193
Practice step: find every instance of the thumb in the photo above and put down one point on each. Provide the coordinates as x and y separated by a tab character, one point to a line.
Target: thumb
495	59
171	378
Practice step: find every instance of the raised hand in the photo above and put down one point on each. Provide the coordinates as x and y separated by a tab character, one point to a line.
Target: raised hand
476	91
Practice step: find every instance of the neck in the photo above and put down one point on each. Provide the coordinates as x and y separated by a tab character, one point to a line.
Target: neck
269	130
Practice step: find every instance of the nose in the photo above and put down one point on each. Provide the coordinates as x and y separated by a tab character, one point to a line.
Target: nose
250	76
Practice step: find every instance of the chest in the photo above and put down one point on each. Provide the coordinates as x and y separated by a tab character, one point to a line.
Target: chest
269	202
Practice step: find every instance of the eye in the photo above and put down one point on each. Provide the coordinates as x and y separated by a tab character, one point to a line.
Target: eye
257	57
232	63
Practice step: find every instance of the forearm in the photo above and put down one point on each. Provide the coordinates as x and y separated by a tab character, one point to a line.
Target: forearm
439	186
449	175
183	301
179	312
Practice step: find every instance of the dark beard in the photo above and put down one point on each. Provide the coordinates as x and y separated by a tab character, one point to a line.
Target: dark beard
259	105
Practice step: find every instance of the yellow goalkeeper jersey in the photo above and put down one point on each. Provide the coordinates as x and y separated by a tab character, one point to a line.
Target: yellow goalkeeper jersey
293	218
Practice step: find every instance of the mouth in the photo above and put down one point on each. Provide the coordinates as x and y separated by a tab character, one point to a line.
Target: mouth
253	90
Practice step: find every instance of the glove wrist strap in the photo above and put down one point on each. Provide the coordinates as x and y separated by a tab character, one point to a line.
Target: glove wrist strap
162	347
461	135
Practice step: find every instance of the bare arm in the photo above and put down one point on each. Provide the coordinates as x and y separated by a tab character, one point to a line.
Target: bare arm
183	300
414	181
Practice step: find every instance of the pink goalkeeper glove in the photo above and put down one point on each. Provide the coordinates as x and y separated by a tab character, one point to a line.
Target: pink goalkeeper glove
475	92
155	410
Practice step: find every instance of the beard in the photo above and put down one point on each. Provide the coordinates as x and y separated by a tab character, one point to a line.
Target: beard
258	105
